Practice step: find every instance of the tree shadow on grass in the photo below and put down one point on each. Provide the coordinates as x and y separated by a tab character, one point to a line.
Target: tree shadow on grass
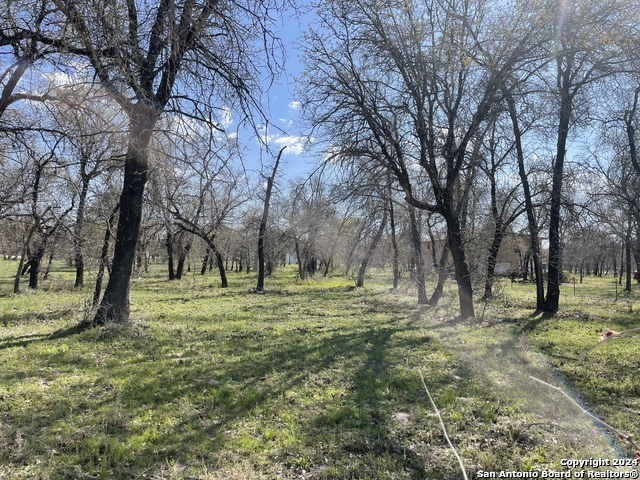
25	340
192	408
536	319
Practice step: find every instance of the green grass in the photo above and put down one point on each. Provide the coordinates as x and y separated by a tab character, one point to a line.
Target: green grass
605	373
311	379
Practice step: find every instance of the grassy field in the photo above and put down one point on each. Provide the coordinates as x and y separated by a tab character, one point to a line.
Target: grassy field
311	379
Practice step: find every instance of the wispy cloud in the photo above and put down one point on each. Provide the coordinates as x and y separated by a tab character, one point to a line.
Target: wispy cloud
295	144
295	105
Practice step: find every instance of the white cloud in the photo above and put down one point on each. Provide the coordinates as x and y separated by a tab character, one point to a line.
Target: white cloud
226	117
295	105
296	145
287	122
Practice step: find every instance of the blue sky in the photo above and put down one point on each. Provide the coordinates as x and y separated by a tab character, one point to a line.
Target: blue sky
279	101
284	108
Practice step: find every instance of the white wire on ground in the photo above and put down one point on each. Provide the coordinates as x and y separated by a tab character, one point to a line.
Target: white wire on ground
625	436
444	429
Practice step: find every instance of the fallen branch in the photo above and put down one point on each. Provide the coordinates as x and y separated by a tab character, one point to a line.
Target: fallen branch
444	429
623	436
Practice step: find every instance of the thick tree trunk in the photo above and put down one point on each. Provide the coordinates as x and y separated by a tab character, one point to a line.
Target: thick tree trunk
372	247
169	245
463	276
114	306
223	274
554	271
184	253
35	259
416	242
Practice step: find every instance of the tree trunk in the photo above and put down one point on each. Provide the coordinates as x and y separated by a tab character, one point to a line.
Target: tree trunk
394	245
184	253
35	259
416	242
627	255
263	222
627	250
327	266
531	218
7	92
114	306
442	276
78	233
16	280
463	276
205	261
104	254
301	270
371	249
169	244
498	235
223	273
622	268
554	270
47	270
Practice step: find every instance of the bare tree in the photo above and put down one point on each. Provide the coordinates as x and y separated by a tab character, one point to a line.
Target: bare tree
263	221
589	45
414	83
173	55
